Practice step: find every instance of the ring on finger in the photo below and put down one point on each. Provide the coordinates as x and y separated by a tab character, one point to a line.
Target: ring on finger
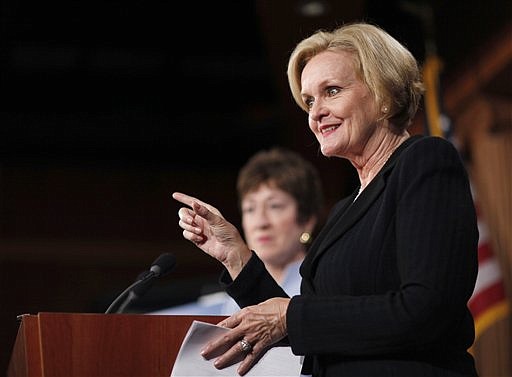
245	346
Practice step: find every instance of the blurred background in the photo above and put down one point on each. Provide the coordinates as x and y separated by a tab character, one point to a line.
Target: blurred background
109	106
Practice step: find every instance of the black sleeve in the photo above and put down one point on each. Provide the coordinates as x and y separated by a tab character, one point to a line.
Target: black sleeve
253	285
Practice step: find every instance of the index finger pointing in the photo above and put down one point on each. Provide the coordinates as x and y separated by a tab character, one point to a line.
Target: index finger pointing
184	198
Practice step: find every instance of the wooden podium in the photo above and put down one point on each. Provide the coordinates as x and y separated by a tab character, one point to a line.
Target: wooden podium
93	345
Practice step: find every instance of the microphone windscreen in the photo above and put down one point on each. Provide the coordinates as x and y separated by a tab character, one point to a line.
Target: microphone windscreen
163	264
140	289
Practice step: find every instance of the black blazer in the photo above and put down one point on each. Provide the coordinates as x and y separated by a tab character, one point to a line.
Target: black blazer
386	282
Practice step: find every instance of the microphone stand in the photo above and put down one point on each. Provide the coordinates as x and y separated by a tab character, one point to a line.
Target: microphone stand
160	267
129	291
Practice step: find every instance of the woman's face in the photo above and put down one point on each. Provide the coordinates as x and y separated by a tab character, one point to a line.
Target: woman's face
269	221
342	111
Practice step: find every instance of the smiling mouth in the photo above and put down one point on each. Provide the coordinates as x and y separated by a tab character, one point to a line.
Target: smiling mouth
328	129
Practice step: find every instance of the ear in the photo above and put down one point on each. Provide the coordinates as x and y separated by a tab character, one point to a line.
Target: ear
310	224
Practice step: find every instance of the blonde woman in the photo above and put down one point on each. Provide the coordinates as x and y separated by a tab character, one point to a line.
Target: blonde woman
385	284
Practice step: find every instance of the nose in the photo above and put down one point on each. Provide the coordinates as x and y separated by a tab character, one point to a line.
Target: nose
317	111
260	218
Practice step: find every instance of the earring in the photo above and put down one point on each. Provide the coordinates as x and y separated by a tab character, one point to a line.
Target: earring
385	109
305	238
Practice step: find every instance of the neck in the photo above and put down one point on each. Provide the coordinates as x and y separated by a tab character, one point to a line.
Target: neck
371	162
278	270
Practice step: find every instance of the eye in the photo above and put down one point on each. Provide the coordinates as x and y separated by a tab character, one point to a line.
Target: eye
308	101
277	205
332	91
247	209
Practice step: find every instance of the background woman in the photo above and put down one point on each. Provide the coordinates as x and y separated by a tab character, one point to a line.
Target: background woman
280	200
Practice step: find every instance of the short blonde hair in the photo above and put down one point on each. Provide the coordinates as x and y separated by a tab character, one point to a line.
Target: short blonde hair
385	66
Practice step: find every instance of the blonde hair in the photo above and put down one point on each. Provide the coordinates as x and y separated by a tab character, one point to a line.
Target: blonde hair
384	65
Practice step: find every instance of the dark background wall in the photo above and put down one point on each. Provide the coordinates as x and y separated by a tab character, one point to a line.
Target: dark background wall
109	106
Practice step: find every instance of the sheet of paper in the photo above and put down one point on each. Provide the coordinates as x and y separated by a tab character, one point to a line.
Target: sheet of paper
278	361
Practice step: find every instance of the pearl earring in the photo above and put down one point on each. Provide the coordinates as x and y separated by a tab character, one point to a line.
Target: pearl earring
305	238
385	109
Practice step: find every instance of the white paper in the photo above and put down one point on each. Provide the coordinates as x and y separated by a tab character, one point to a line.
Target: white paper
277	361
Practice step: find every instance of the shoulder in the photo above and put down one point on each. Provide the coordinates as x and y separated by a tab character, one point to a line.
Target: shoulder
427	160
422	142
428	149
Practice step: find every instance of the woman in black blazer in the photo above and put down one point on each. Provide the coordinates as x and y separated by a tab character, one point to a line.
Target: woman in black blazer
386	283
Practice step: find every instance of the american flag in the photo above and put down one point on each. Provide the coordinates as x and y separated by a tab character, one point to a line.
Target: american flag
488	303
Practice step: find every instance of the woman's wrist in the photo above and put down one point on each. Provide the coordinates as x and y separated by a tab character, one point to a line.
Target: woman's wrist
236	264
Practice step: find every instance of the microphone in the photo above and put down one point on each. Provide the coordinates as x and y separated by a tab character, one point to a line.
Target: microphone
137	291
160	267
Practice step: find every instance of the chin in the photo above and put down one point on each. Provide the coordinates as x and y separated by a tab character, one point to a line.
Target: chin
327	152
265	254
333	150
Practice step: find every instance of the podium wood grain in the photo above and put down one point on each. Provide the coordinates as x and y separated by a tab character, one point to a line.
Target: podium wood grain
95	345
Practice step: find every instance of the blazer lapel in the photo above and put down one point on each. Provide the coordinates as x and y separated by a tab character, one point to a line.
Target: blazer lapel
349	212
351	215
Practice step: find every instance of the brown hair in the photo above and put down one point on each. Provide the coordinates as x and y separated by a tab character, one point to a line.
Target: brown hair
288	171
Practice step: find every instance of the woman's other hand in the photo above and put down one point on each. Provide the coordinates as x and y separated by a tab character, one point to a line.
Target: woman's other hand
260	326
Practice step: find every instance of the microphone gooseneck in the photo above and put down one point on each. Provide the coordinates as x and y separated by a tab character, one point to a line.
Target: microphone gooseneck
160	267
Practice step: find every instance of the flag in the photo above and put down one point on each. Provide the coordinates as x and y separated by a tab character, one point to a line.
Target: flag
488	303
